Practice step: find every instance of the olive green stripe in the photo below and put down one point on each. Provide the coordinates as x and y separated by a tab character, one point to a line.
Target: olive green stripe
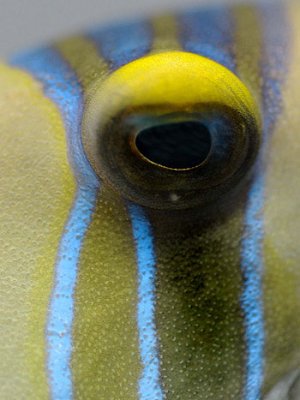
165	34
83	57
248	48
106	360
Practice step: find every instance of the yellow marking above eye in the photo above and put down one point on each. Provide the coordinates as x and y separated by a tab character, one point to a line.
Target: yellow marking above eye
164	88
173	78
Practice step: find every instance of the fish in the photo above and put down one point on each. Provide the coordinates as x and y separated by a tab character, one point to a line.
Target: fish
149	218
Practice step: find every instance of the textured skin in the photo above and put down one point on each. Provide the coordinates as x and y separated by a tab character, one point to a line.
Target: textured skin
104	298
36	194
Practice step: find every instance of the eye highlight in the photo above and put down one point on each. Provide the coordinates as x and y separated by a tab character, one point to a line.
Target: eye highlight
172	130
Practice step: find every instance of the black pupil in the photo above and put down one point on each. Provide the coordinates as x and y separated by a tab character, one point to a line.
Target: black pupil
177	145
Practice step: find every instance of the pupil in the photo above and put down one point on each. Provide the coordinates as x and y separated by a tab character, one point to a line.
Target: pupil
177	145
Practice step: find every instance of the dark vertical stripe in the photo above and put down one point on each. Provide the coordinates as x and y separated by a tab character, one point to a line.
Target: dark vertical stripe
198	316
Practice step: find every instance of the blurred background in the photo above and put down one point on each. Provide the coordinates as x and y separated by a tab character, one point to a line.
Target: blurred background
28	23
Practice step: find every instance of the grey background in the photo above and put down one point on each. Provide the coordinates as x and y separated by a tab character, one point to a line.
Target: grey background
28	23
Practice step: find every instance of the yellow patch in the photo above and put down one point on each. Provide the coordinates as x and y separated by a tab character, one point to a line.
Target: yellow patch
282	227
36	194
175	78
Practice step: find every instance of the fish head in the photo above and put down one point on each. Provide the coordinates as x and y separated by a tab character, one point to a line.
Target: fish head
150	210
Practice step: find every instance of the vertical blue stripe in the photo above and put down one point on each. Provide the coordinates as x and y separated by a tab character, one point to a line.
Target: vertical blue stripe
61	85
119	46
275	27
209	32
61	313
149	382
251	298
123	43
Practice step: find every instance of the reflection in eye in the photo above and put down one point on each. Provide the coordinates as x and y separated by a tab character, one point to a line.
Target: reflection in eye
172	125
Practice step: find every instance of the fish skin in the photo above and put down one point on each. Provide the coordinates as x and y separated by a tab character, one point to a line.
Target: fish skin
160	285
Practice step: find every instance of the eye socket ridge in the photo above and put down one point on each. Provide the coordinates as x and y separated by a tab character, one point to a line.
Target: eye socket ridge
172	130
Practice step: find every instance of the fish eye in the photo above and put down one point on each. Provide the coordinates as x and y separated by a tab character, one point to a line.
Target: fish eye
177	145
172	130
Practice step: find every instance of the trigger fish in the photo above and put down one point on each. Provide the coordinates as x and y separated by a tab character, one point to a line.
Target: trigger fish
149	218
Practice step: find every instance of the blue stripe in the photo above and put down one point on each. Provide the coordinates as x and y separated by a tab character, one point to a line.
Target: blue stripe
252	263
61	86
120	46
61	313
123	43
209	32
251	298
149	382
